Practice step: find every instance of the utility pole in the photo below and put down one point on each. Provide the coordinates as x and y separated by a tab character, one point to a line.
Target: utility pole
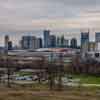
6	54
51	72
60	71
8	73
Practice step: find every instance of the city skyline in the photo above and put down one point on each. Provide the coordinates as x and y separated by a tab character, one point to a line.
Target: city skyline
15	38
50	38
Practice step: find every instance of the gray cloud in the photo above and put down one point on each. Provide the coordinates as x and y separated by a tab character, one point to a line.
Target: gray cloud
28	15
20	13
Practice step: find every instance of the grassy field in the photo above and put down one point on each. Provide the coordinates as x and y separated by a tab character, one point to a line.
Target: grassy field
89	79
31	94
24	73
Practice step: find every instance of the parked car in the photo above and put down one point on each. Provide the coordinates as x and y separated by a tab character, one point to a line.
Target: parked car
24	78
35	78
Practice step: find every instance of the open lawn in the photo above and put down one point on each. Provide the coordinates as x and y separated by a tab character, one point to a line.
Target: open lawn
24	73
88	79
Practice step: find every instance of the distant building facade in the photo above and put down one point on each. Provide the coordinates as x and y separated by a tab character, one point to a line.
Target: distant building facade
29	42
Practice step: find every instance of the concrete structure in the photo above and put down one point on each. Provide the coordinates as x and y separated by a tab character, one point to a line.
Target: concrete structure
93	55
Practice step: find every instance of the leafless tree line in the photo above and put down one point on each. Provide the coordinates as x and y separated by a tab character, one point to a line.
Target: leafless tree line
87	66
52	70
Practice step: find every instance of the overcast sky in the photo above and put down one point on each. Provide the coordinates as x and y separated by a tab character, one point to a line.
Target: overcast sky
60	16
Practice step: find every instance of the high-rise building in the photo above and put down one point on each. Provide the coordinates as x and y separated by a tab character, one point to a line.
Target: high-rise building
97	39
92	46
84	41
73	43
40	42
66	43
62	41
58	42
97	36
52	41
10	45
29	42
25	42
6	42
46	38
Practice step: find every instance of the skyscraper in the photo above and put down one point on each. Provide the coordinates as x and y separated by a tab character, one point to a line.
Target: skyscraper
97	39
97	36
52	41
92	46
73	43
40	42
10	45
25	42
66	43
6	42
46	38
84	41
62	41
58	42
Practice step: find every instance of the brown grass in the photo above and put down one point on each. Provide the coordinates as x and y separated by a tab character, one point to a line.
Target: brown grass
31	94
